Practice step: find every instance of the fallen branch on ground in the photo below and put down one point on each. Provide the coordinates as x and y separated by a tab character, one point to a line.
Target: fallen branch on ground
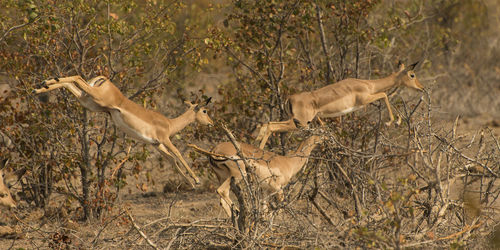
143	235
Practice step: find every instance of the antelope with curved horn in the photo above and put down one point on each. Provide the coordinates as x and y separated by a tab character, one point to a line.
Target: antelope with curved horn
338	99
101	95
272	170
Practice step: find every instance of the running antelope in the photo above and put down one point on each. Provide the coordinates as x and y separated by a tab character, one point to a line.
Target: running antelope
338	99
101	95
272	170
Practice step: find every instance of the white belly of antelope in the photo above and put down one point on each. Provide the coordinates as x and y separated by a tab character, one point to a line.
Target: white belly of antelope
340	113
117	117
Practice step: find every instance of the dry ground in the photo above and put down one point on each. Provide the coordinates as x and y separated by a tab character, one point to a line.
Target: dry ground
182	218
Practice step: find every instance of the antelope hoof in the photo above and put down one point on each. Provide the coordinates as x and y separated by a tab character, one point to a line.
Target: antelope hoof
273	205
398	122
196	179
44	84
297	123
235	211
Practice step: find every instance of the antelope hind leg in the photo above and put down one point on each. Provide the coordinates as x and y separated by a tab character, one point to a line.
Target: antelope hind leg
276	127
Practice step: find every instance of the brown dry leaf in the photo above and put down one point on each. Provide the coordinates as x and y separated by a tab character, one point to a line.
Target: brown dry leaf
144	187
402	239
113	15
430	235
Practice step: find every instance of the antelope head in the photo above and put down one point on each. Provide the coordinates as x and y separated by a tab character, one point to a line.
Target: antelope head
409	78
201	112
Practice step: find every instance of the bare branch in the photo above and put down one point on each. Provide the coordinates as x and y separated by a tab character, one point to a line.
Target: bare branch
143	235
18	27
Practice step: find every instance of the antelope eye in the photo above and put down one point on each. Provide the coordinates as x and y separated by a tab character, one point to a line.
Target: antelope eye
412	75
205	111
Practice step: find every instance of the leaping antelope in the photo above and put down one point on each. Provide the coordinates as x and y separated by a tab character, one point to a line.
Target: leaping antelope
272	170
101	95
337	99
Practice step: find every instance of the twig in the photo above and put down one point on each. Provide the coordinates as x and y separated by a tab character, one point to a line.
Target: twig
173	239
312	198
198	225
17	27
152	244
324	43
121	163
239	219
248	167
94	242
206	152
467	228
32	227
255	72
321	211
414	244
278	246
465	156
355	195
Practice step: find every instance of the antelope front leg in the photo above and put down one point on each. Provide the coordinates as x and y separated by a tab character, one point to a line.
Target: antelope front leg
398	122
371	98
225	200
49	82
79	82
321	123
271	127
172	160
390	112
48	85
398	114
176	152
262	132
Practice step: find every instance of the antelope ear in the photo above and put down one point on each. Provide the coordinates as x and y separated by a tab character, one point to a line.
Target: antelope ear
189	103
401	66
413	66
3	163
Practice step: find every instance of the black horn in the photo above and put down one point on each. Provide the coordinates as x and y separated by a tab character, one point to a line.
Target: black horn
413	65
208	101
